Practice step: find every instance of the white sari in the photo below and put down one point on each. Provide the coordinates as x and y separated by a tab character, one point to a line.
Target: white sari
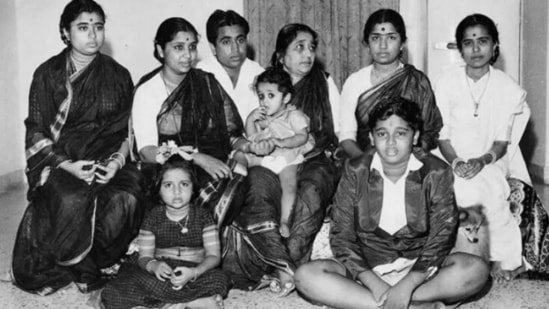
501	116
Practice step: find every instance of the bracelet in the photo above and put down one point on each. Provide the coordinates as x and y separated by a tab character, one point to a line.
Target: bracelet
195	275
493	156
120	157
456	161
147	265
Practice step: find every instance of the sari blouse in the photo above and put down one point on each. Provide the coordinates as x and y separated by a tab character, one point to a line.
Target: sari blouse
94	105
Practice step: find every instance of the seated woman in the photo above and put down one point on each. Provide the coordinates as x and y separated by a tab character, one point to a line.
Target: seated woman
180	109
179	251
480	106
393	225
85	202
385	36
261	249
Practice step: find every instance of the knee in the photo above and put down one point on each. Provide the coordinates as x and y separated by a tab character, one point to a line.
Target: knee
473	270
309	273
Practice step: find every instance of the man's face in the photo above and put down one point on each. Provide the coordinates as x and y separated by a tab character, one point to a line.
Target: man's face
230	46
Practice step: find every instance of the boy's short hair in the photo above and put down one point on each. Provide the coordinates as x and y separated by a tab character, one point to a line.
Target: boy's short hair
220	18
407	110
278	77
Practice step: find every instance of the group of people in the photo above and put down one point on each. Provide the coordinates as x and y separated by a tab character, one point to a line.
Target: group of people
109	163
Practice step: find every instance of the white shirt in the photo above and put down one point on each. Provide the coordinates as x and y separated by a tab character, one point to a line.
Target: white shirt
147	102
393	209
243	94
333	96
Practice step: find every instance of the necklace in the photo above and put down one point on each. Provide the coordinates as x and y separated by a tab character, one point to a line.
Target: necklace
184	228
477	101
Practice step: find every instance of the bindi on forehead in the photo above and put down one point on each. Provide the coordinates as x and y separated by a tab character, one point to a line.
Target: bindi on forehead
382	28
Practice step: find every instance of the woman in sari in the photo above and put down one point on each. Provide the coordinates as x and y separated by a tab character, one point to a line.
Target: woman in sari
254	246
485	114
387	76
85	202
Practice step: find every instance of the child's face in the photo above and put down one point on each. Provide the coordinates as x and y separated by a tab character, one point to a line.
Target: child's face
271	99
477	47
176	188
393	139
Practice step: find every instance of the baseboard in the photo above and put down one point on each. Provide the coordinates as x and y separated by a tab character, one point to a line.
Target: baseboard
539	173
12	180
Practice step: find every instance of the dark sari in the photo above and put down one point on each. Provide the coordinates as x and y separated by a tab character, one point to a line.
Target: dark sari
70	229
410	84
252	243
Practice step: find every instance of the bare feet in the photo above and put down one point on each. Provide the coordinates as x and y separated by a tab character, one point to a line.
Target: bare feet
284	230
212	302
500	274
287	284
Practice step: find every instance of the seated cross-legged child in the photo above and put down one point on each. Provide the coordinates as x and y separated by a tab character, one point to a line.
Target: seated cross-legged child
179	251
280	123
394	224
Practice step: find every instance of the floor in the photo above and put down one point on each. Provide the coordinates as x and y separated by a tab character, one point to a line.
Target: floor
518	294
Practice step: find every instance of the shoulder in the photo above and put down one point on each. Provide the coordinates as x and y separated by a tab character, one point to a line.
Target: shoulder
148	82
449	76
209	64
113	65
53	65
359	75
360	164
505	81
252	66
153	216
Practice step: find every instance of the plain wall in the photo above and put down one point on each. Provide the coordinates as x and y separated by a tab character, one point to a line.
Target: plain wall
29	31
535	33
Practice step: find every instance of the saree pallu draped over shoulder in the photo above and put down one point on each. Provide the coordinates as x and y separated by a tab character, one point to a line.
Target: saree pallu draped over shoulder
72	229
410	84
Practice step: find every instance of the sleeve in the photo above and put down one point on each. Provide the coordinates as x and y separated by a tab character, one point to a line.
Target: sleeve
443	220
298	120
442	96
343	237
432	120
347	120
144	111
334	97
146	240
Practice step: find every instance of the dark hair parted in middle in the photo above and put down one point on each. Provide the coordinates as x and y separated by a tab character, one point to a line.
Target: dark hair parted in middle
385	16
220	18
483	21
285	37
71	12
167	31
278	77
407	110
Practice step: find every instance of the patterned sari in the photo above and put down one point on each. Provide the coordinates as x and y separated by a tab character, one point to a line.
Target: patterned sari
70	229
410	84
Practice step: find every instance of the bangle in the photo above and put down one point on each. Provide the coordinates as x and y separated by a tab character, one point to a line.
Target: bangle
195	275
493	156
148	263
456	161
120	158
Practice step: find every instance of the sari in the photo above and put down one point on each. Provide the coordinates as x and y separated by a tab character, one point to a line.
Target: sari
72	229
252	244
410	84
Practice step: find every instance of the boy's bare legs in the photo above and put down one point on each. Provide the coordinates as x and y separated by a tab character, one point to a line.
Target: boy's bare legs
461	276
288	182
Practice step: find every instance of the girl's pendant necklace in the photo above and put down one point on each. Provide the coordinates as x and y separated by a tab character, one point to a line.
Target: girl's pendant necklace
477	101
184	228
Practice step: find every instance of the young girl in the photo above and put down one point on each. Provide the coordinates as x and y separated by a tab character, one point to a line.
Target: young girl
483	110
179	250
281	124
394	223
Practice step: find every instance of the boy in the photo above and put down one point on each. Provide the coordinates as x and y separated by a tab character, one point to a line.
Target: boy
394	224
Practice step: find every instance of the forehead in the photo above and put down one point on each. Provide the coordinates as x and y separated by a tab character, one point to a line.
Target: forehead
383	28
303	37
231	31
88	17
475	32
184	36
392	122
264	86
176	175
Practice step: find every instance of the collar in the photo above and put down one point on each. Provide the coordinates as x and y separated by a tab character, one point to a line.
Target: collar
413	164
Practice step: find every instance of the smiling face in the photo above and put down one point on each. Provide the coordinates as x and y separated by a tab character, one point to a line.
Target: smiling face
176	188
384	43
271	99
179	54
393	139
477	47
299	57
230	46
86	34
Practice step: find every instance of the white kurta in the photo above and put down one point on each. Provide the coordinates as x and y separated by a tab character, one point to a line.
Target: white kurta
243	94
472	136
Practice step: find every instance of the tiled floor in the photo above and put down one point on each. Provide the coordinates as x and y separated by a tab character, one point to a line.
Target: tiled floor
517	294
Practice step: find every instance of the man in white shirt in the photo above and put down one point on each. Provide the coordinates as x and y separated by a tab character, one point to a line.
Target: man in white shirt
227	33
